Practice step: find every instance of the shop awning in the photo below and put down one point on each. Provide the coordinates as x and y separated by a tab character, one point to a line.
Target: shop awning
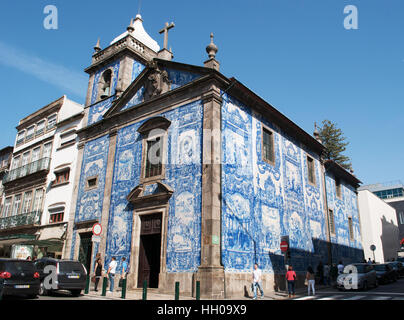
9	240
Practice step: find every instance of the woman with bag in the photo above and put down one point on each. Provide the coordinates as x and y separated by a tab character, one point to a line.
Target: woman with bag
310	278
291	278
97	272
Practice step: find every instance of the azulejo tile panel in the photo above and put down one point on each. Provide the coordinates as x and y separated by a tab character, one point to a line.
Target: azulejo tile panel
98	110
183	175
262	201
89	200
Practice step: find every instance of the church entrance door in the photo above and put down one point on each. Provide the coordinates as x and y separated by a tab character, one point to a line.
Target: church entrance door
149	250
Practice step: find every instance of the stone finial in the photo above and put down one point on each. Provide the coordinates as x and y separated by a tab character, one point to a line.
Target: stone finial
211	49
97	47
130	28
316	133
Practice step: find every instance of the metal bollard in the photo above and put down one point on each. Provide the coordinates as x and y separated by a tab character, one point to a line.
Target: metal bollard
104	286
198	290
87	289
123	288
144	290
177	291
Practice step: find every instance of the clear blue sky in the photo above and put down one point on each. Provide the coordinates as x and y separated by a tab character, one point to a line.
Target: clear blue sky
296	54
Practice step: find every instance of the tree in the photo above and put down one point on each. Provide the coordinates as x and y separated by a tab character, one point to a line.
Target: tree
335	144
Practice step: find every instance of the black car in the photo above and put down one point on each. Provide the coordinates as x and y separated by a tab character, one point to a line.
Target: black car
385	273
398	267
18	277
69	275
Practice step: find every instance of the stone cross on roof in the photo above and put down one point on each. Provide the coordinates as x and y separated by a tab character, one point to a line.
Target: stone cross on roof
165	31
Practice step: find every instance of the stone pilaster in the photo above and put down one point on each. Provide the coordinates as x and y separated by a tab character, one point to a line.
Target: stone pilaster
211	272
107	191
72	214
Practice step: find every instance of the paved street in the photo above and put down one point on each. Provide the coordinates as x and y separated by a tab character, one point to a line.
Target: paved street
391	291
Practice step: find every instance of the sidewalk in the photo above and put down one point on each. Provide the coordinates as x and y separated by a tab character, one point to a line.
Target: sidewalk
152	294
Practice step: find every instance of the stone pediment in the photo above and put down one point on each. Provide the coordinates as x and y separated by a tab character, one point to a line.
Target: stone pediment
158	78
150	194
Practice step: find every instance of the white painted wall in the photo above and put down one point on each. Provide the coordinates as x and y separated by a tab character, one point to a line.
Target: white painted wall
384	235
62	158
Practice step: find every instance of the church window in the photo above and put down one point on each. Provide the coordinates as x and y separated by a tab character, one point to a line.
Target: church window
268	151
91	183
350	228
338	188
331	221
154	132
153	155
311	171
105	84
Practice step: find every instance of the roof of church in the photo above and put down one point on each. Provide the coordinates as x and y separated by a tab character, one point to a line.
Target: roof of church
140	34
341	172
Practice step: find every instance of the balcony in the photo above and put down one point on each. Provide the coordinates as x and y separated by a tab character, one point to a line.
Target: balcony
33	167
31	218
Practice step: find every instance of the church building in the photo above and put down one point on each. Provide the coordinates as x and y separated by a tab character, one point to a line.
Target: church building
194	177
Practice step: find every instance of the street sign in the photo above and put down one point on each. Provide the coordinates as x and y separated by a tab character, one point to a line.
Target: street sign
96	239
97	229
373	247
284	246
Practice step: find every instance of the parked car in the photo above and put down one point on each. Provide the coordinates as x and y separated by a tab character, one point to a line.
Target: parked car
71	275
18	277
363	273
385	273
398	267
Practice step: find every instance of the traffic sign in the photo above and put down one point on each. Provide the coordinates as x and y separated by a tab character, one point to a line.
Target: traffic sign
284	246
97	229
373	247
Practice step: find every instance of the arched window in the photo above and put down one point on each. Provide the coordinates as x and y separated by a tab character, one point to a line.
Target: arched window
105	84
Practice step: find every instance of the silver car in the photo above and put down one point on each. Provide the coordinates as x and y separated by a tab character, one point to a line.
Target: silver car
357	276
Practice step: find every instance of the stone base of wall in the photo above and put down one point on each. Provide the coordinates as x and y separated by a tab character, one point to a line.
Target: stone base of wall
213	286
238	285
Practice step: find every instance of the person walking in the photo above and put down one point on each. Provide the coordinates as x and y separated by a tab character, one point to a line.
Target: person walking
124	270
291	278
369	261
97	272
340	267
111	273
334	273
310	277
327	275
257	275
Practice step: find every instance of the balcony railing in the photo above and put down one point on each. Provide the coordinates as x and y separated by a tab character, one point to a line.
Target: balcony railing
30	218
36	166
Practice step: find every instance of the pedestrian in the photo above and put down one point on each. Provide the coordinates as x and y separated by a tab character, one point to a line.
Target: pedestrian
97	272
310	277
340	267
327	275
320	272
334	273
257	275
124	270
111	273
369	261
29	258
291	278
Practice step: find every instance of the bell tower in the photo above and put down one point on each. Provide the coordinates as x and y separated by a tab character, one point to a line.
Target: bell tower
113	68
